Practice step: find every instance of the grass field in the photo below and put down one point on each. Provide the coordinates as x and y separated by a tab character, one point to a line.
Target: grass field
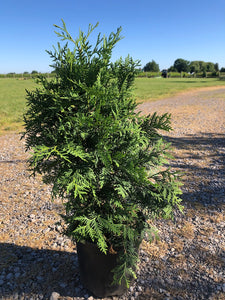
148	89
13	103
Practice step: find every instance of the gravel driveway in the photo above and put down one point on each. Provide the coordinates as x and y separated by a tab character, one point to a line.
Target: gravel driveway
37	262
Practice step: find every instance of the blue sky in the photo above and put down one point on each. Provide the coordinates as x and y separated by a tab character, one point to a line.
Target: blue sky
162	30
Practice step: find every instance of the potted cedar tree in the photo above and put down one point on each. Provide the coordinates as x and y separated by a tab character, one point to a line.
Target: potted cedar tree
100	156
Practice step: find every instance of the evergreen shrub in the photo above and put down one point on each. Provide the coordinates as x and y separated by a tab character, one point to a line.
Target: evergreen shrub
97	152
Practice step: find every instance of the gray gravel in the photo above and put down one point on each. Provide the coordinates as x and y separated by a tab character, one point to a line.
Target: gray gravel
37	262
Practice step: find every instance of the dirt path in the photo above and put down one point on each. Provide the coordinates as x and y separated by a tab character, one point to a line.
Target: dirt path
194	111
189	92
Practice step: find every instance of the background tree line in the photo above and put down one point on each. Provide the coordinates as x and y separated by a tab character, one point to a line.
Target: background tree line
182	65
26	75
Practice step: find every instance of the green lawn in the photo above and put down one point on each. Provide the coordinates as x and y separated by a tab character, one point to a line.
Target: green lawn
13	103
149	89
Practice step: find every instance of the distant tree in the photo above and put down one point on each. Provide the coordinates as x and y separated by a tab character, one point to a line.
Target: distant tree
210	67
151	67
172	69
25	72
34	72
222	70
11	74
181	65
216	67
204	74
204	67
194	67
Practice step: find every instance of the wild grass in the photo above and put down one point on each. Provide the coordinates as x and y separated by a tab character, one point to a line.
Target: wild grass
13	102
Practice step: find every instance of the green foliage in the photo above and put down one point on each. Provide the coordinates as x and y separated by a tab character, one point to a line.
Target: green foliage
96	151
210	67
178	75
151	67
172	69
197	66
181	65
148	74
204	74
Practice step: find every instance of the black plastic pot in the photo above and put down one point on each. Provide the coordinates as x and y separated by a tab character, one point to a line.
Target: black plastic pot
96	271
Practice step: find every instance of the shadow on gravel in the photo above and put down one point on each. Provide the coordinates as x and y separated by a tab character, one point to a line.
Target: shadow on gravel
205	161
16	161
25	271
207	140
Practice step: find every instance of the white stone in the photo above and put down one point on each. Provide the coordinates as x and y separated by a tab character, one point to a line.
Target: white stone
54	296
